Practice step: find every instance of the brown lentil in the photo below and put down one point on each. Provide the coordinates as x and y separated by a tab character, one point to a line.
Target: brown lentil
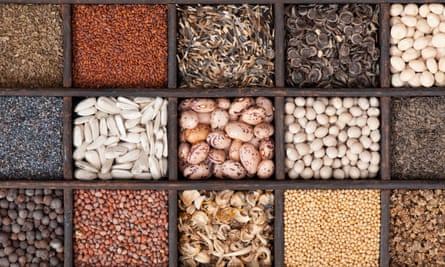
31	230
331	227
225	46
120	228
332	45
120	45
417	228
417	131
30	45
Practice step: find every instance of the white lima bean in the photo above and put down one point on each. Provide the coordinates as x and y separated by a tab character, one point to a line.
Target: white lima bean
334	141
417	45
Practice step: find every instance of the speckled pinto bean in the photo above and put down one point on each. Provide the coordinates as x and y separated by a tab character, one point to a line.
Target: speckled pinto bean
226	138
120	228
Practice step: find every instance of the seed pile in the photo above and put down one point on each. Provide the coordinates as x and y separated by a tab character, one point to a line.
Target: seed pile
332	137
120	228
225	46
417	228
417	45
31	137
226	138
225	228
332	45
417	144
331	227
120	138
120	45
31	223
31	46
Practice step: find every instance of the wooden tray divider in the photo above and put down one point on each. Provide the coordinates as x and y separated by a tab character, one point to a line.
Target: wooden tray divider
384	226
384	36
67	138
279	138
385	147
68	227
172	228
172	136
280	62
67	46
278	243
172	63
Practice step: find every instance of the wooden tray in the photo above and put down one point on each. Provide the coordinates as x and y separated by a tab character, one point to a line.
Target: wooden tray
173	183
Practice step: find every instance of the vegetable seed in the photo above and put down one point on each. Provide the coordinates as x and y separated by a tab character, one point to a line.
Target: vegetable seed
417	231
31	137
225	46
417	142
120	228
120	46
331	227
332	45
31	46
31	227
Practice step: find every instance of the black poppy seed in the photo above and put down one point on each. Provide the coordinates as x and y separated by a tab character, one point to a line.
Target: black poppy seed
32	130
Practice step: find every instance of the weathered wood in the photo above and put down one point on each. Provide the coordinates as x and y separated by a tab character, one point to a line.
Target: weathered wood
385	203
278	243
225	92
67	45
172	228
218	184
279	138
172	62
280	59
67	138
385	147
172	136
68	227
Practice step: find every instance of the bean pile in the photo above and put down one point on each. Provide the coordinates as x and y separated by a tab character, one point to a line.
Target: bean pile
333	137
225	228
417	45
226	138
31	137
225	46
31	224
120	138
31	45
331	227
417	228
417	144
332	46
120	45
120	228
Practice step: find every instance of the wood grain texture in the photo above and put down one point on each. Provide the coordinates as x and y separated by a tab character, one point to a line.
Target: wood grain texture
67	138
278	250
385	203
67	46
225	92
172	228
385	143
218	184
68	227
172	62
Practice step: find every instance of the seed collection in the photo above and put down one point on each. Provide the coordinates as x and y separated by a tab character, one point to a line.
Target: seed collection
417	45
253	92
332	45
226	139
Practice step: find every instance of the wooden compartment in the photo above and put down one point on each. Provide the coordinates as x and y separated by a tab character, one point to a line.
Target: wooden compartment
278	182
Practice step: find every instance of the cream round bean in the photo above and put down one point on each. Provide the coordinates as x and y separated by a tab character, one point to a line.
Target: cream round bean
417	45
331	138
